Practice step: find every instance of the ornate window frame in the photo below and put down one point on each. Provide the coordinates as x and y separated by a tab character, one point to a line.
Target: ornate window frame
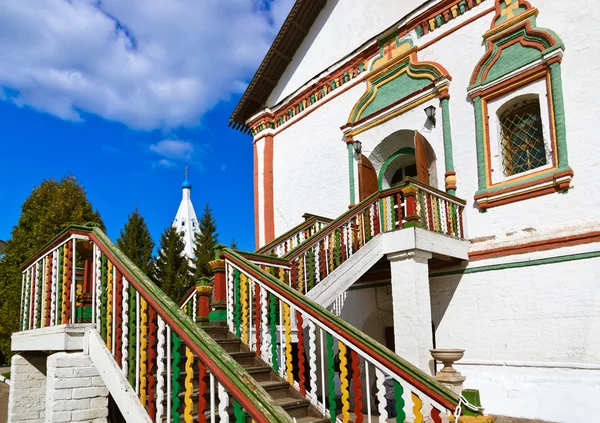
520	59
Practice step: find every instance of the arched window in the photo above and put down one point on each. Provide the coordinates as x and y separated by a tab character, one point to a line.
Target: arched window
522	137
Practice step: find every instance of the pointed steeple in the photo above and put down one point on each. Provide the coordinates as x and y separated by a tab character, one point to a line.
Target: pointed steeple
185	220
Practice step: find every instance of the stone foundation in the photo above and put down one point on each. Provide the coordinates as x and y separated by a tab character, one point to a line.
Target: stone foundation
27	398
75	391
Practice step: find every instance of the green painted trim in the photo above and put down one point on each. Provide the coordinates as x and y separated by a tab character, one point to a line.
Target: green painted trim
351	173
406	151
479	125
532	178
448	153
504	266
350	330
384	94
217	316
168	309
559	115
516	55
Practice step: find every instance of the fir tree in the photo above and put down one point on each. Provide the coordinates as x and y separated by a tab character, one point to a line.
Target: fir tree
136	242
50	207
233	244
172	270
205	241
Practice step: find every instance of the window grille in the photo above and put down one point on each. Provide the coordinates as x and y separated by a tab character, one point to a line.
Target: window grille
523	145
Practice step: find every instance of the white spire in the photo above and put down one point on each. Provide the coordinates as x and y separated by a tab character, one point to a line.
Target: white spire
185	220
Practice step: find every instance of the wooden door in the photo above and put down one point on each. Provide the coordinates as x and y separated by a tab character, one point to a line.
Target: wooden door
421	158
367	178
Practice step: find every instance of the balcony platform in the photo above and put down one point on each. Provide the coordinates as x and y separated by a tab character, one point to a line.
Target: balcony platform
68	337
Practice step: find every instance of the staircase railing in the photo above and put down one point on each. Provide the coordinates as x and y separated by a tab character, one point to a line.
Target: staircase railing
142	328
408	205
295	236
329	354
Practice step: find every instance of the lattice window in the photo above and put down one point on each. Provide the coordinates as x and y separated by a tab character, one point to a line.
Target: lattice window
523	145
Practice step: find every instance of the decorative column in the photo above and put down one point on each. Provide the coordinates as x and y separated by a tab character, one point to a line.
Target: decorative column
351	172
479	122
411	306
204	291
559	113
218	306
448	154
412	218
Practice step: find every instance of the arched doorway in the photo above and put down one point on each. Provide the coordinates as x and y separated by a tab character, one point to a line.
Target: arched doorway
402	154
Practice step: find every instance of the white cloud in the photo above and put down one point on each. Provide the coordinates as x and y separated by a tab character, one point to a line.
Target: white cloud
147	63
174	149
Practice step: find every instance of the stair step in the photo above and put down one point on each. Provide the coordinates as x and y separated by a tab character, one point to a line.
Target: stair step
295	407
230	345
277	389
262	373
246	359
312	419
217	332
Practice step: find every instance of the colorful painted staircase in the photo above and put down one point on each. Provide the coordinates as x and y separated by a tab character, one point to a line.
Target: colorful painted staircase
270	354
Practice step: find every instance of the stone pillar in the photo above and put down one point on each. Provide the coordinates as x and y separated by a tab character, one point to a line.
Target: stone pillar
75	391
411	305
27	398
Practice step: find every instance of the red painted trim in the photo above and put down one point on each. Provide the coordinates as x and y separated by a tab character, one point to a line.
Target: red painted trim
336	329
221	376
269	212
522	3
256	217
490	50
456	28
542	245
550	177
514	83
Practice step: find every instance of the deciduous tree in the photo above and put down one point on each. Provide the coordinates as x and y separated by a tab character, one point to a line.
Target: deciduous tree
50	207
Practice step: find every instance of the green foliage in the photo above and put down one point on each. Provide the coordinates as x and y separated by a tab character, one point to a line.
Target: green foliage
172	270
233	244
205	241
136	242
50	207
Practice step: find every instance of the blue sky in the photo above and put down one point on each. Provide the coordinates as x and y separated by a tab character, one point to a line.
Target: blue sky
124	94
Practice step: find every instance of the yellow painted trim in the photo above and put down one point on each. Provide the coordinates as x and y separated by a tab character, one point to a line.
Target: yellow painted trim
389	116
511	22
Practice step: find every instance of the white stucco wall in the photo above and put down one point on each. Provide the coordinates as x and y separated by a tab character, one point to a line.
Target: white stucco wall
310	164
322	159
529	334
341	27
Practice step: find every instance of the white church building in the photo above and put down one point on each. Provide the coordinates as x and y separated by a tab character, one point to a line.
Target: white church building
185	220
425	192
489	101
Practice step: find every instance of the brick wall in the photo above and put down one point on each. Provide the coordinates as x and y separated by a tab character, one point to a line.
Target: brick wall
74	392
28	388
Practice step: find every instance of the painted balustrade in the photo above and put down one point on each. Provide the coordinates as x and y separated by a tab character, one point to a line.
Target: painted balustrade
408	205
322	355
286	242
178	372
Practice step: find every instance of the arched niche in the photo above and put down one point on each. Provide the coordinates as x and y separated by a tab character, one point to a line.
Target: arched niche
401	154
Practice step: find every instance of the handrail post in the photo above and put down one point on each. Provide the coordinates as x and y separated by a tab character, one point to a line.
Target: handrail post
203	290
412	214
218	312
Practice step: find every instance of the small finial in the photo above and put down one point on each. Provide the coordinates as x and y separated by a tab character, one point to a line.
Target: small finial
186	171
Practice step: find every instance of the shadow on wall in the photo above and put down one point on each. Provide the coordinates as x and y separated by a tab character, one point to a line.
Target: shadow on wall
441	293
298	57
